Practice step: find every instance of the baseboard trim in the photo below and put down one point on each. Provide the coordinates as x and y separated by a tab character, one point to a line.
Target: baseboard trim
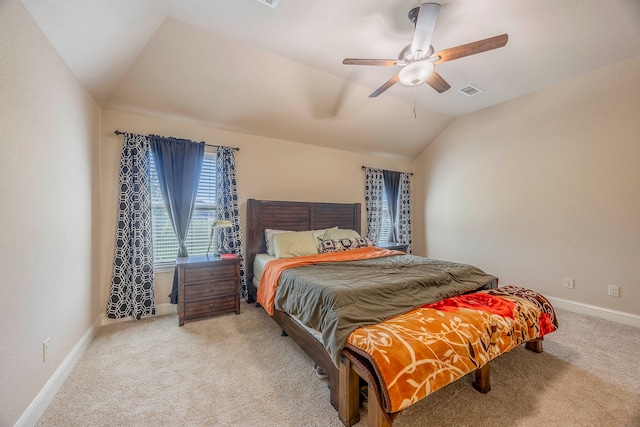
167	308
161	310
595	311
37	407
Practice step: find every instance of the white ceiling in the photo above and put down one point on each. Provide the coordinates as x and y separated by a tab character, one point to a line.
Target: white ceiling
243	66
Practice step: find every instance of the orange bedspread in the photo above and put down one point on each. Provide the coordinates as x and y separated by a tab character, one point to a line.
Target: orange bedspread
418	352
269	281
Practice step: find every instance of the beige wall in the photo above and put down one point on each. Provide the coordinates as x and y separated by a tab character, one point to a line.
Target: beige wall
543	187
266	168
48	171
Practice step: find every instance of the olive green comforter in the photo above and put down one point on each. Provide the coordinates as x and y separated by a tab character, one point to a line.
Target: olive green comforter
335	298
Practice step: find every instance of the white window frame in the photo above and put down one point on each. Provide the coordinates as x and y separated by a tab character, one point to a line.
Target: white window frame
385	220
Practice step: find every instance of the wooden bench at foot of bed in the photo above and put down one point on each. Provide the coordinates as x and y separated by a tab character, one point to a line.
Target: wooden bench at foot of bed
407	357
351	371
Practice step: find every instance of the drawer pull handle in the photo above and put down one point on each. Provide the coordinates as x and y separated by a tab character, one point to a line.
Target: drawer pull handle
211	305
210	289
210	272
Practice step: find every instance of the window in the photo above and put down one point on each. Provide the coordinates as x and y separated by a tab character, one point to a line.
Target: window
385	227
165	243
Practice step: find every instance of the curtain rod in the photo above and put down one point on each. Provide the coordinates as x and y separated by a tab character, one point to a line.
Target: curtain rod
410	173
118	132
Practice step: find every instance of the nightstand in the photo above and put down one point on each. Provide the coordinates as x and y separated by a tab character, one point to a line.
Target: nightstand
393	246
207	286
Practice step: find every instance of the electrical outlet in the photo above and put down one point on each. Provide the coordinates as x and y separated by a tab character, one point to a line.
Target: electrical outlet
45	349
568	283
614	291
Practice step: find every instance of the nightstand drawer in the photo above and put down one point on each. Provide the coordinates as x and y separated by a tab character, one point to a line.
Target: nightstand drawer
210	290
210	307
207	286
215	273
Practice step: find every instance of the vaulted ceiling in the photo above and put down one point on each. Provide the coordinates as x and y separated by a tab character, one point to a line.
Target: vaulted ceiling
243	66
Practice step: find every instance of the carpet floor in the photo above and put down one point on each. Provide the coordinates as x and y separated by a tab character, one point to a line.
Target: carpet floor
238	371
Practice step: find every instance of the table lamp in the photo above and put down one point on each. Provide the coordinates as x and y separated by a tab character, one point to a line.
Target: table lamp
221	223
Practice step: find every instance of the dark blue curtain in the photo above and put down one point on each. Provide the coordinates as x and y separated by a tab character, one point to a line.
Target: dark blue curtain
391	181
178	164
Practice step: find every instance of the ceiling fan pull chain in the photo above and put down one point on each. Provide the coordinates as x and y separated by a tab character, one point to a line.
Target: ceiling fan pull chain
415	94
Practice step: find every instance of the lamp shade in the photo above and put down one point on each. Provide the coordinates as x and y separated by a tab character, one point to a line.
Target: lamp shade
416	73
221	223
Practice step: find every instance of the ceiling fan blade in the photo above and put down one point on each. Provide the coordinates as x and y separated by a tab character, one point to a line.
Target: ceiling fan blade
471	48
438	83
382	62
425	24
393	80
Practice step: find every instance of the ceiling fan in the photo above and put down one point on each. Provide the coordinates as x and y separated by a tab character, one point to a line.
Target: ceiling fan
418	58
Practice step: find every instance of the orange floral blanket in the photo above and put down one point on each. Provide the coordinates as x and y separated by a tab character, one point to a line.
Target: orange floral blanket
418	352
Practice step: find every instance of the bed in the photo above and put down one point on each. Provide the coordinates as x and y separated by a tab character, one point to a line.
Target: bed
348	367
297	216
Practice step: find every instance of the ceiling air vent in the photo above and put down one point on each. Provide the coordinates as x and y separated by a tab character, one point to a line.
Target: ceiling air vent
270	3
470	90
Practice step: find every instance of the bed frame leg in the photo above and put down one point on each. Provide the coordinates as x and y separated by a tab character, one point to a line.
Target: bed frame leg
348	397
375	415
535	345
483	379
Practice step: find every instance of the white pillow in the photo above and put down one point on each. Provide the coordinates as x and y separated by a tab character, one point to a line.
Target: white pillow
268	238
318	233
301	243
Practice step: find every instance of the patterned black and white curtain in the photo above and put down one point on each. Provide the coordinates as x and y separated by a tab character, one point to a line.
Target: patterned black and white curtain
404	212
373	188
132	290
227	203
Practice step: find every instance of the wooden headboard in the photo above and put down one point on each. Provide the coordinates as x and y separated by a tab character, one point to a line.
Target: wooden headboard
296	216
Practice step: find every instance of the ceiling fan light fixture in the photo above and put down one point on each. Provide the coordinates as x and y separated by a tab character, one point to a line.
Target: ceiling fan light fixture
416	73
